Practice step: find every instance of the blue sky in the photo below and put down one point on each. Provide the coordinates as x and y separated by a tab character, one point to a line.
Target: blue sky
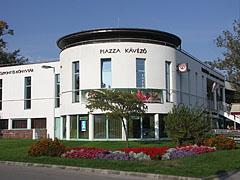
39	24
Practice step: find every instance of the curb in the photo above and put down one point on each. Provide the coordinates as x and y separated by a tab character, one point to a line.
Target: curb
102	171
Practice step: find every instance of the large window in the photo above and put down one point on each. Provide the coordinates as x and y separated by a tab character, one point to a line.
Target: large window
167	75
76	81
38	123
141	127
27	93
3	123
106	128
1	94
79	127
19	123
140	73
106	73
57	92
64	126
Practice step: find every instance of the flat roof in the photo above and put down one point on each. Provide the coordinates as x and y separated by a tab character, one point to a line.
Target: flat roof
119	35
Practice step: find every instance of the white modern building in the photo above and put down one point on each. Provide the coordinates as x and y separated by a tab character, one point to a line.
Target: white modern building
52	96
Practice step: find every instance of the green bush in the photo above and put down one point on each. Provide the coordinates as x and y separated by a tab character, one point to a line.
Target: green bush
46	147
187	125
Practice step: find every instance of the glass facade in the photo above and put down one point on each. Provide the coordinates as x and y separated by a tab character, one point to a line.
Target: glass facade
64	126
148	127
140	73
106	73
107	128
134	128
99	127
57	90
76	81
73	127
1	94
167	71
27	93
162	133
79	127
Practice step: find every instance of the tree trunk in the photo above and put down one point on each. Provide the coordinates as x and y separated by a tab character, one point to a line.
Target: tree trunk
125	129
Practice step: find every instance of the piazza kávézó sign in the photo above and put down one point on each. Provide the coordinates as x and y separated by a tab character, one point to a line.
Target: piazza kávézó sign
125	50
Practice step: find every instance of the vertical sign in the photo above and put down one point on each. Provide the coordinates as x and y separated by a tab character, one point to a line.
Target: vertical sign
83	125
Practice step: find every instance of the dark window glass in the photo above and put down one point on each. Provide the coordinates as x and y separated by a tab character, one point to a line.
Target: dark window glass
76	81
27	94
57	92
134	128
38	123
99	127
3	123
19	124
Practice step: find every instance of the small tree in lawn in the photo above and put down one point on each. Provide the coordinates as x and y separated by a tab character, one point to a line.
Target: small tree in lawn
187	126
116	104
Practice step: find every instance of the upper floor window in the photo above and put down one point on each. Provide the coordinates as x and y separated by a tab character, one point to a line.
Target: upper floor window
27	93
167	75
57	92
106	73
140	73
75	81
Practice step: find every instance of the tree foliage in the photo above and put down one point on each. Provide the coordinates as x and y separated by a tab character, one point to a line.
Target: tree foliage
230	63
187	126
116	104
8	58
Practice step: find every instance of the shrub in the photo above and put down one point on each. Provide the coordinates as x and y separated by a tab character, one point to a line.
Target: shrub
187	126
46	148
220	142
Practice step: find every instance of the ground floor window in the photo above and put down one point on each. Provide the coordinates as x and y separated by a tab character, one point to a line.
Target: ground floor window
19	124
64	126
162	133
3	123
79	127
38	123
107	128
141	127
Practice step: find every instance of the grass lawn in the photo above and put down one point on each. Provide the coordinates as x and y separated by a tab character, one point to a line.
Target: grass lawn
197	166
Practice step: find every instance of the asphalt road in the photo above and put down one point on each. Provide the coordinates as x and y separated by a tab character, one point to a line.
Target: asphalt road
12	172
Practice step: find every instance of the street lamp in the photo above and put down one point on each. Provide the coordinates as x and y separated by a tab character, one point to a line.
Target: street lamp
54	90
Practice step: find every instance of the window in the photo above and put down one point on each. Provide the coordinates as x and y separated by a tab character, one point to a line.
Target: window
19	123
73	127
57	92
76	81
38	123
99	127
140	73
0	94
27	93
167	71
83	129
3	123
134	128
106	73
64	119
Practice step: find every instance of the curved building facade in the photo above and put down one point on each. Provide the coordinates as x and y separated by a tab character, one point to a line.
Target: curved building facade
148	63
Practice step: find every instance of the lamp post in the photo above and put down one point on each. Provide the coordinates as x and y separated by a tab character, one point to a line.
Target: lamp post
54	90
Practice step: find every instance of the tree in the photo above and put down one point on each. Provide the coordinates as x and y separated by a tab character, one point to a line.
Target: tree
8	58
116	104
187	126
230	63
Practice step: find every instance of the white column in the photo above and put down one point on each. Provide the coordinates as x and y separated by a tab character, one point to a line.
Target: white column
28	123
9	124
156	126
67	127
123	131
91	127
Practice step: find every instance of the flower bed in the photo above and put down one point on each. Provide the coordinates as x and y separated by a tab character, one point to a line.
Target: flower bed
153	152
220	142
141	153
